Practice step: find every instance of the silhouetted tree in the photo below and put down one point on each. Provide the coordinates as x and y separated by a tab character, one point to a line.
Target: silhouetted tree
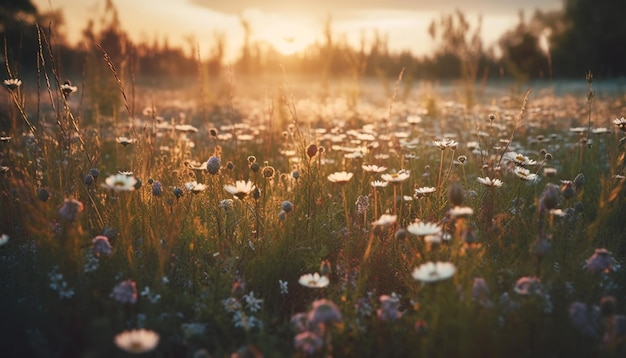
593	39
522	54
18	33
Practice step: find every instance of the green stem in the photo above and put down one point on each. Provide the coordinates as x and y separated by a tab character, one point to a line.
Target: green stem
345	208
440	169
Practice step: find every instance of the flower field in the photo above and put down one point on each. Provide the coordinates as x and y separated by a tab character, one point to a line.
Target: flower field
284	224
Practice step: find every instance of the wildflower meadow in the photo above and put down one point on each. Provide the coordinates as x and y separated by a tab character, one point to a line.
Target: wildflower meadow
276	223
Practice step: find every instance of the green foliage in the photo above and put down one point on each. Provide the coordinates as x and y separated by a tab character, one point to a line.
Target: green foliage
591	38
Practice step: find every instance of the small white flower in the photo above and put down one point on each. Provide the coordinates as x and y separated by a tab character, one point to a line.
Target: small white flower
340	177
620	123
186	128
379	184
137	341
558	213
125	141
434	239
424	228
240	189
68	89
314	280
461	212
446	143
385	220
120	182
284	289
486	181
414	119
12	83
525	174
252	303
195	187
434	271
519	159
91	262
424	191
240	319
149	295
396	178
4	239
193	329
231	304
373	168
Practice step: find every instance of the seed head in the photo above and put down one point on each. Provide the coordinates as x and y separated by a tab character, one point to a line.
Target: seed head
88	180
43	194
311	150
213	165
268	172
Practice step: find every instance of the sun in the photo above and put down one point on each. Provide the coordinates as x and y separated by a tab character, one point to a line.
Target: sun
286	34
289	45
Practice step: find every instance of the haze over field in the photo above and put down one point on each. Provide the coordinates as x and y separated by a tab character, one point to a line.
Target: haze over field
292	26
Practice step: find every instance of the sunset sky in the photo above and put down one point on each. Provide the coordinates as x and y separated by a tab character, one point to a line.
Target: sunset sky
291	25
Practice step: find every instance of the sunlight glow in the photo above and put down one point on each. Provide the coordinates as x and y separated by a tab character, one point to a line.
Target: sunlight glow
190	26
286	33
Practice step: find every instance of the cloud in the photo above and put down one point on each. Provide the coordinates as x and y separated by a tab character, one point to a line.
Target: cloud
485	7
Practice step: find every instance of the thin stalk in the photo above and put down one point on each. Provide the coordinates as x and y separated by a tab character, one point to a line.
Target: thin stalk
345	208
440	169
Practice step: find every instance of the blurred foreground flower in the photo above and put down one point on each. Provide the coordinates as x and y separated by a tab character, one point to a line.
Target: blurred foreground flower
619	123
389	308
480	292
585	318
70	209
434	271
385	220
423	228
101	245
461	212
125	292
527	285
324	311
284	287
308	342
4	239
213	165
602	260
314	280
137	341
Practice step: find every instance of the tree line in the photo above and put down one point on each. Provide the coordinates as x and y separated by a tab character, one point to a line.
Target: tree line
583	35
